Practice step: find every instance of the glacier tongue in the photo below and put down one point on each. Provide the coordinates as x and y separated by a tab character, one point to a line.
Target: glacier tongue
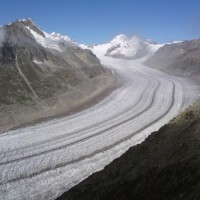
43	161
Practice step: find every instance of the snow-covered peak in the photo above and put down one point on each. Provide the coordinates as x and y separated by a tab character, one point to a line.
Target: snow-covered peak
123	46
62	39
59	37
119	38
53	41
122	38
26	20
30	23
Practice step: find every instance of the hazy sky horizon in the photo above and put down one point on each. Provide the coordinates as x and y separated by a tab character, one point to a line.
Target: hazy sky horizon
92	21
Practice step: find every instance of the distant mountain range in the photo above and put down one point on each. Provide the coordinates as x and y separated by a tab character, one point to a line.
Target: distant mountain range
123	46
37	68
177	58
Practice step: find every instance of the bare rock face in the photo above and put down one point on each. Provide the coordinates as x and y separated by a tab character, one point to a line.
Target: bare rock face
178	59
35	68
165	166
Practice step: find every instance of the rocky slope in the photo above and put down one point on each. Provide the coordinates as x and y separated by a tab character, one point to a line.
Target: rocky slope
43	74
128	47
166	166
178	59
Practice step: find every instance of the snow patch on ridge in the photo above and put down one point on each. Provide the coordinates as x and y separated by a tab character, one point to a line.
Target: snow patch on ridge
37	62
54	41
45	42
58	37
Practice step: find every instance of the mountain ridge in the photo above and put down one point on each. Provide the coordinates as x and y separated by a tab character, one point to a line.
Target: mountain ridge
180	59
35	69
127	47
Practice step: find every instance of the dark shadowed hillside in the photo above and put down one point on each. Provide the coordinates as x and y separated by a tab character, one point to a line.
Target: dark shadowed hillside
178	59
164	167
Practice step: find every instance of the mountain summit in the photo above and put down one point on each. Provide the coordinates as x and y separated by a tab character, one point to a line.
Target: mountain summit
39	71
129	47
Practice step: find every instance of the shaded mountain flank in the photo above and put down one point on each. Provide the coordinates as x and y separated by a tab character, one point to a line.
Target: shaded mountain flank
178	59
43	75
165	166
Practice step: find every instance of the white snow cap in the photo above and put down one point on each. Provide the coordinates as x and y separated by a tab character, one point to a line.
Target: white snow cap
126	46
25	20
121	37
45	41
58	36
50	41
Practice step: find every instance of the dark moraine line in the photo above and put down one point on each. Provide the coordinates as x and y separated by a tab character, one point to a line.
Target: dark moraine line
80	130
100	150
73	133
86	138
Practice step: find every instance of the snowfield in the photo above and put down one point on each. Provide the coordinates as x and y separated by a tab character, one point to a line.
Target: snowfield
44	160
52	41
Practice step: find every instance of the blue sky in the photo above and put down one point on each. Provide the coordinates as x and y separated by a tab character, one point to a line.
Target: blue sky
98	21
